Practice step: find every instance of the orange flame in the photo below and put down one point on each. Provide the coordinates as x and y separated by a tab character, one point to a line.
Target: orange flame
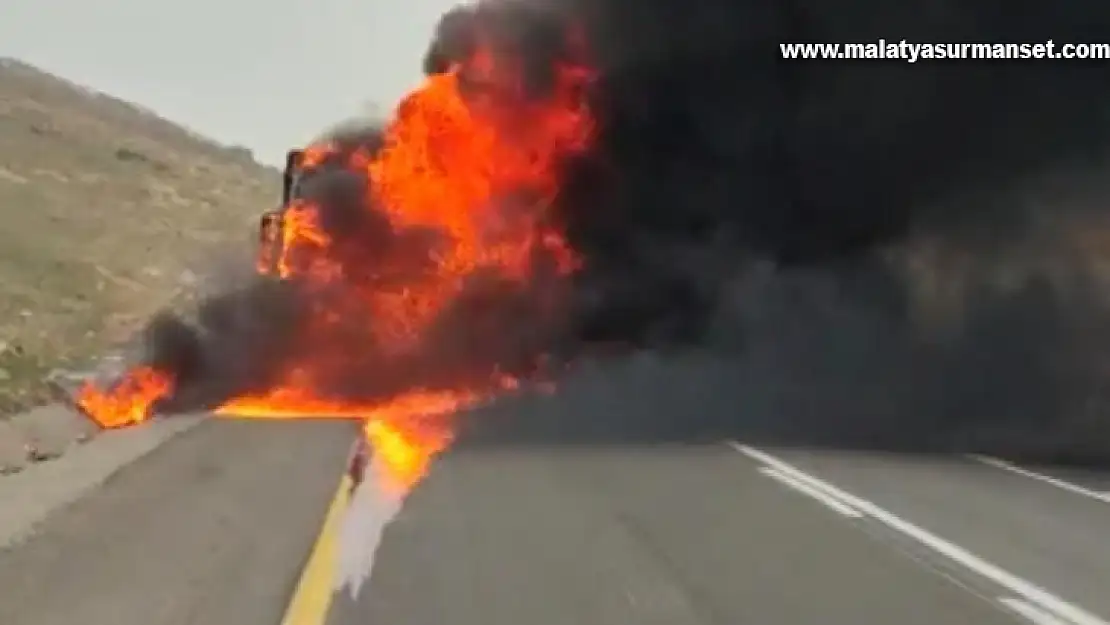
471	156
405	432
129	402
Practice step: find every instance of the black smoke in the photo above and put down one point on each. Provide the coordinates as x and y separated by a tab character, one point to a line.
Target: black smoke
710	143
845	252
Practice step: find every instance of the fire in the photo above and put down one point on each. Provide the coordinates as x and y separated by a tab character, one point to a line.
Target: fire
303	233
406	447
129	402
469	155
406	431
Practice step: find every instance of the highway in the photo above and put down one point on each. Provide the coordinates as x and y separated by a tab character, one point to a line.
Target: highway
216	527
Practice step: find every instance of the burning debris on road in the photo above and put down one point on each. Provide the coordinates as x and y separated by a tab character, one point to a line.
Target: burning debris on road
877	252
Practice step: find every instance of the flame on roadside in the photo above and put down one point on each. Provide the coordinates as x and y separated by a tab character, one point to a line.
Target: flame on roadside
129	401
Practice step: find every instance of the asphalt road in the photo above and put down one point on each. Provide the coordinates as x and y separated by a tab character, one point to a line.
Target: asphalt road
215	527
703	535
210	529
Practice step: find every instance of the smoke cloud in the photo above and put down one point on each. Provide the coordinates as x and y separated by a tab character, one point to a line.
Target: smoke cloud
865	252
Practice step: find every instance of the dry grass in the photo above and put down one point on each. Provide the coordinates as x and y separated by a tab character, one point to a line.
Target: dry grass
105	208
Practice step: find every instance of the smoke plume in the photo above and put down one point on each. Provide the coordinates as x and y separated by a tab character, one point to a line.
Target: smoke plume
849	252
860	252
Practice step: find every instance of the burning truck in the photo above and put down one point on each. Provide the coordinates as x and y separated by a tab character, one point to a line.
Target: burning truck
414	268
310	176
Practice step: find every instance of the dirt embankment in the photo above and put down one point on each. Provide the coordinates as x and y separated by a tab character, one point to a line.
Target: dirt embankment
109	213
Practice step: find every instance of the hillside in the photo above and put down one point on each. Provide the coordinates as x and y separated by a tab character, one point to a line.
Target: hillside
105	212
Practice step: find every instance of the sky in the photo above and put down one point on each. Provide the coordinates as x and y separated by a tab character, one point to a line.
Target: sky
266	74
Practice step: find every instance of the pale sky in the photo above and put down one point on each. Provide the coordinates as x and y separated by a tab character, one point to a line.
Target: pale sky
267	74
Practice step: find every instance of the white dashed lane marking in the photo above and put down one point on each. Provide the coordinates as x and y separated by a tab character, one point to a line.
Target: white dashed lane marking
1024	597
1041	477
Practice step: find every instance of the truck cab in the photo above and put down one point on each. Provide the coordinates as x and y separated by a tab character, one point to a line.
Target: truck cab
271	221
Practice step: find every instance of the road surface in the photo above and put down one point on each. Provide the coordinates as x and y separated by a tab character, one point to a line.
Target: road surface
210	529
215	528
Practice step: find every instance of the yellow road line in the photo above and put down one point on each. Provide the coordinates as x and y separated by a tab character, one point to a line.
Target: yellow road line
313	595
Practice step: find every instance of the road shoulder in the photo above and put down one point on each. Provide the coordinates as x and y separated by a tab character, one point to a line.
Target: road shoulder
74	468
213	528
